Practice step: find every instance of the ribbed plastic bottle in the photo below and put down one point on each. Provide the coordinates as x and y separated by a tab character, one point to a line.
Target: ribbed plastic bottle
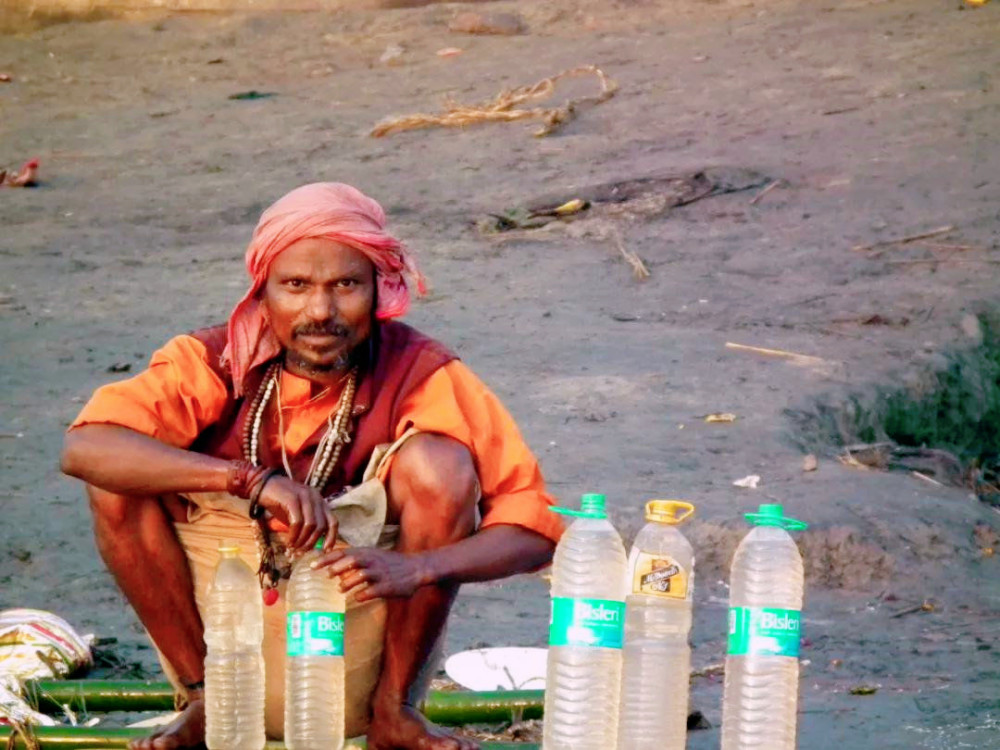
761	693
657	657
314	666
234	665
585	633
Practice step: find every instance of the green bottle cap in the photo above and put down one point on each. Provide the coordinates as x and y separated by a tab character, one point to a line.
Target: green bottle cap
591	506
320	542
773	515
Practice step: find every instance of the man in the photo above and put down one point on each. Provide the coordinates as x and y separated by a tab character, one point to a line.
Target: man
236	430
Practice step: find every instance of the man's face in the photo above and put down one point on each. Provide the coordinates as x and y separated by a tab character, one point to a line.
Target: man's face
319	298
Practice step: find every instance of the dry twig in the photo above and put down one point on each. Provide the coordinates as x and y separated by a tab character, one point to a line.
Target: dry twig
905	240
760	196
639	269
927	605
799	359
709	670
930	480
504	107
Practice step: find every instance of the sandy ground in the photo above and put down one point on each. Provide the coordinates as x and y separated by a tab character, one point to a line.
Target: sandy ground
880	118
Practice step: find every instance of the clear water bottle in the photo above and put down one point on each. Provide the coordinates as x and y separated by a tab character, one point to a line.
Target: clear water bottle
585	633
234	665
657	657
314	667
762	666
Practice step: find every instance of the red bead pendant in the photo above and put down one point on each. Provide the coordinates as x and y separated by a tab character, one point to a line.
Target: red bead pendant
270	597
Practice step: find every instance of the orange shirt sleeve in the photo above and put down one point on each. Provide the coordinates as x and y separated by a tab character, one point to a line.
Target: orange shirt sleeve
173	400
454	402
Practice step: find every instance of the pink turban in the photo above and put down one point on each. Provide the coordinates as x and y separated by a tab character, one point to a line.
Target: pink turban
330	210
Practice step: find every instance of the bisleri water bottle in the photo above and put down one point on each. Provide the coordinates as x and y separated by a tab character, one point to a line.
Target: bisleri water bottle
657	657
234	664
585	633
314	664
762	663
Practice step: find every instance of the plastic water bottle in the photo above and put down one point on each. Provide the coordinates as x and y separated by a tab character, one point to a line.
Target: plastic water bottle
314	667
657	657
585	633
234	665
762	666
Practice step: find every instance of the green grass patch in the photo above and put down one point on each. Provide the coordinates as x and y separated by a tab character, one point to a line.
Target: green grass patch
954	408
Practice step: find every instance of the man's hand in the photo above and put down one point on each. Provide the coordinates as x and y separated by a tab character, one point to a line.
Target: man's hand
303	510
382	572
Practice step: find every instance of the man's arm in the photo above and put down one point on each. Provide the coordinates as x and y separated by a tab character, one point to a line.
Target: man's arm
121	460
495	552
126	462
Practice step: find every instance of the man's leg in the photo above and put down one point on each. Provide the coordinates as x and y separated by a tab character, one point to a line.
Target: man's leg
136	538
433	491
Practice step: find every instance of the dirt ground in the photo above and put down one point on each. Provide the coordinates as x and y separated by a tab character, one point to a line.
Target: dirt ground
879	118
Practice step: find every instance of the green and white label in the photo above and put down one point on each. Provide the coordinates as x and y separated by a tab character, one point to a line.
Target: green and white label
763	631
599	623
315	634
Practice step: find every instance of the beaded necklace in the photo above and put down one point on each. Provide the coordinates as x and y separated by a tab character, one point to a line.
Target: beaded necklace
328	451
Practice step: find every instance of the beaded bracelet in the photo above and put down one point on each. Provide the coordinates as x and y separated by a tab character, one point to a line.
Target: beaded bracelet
238	478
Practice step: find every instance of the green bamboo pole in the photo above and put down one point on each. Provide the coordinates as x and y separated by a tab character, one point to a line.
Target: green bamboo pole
449	708
98	696
97	738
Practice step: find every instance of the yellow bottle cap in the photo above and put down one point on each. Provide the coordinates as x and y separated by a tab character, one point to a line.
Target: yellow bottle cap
229	548
671	512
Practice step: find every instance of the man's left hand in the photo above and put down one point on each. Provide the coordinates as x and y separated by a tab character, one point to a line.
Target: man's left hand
375	573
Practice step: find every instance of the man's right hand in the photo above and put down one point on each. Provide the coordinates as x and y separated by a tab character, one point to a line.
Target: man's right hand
303	509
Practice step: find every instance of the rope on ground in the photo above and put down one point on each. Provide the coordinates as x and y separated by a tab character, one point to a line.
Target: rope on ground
503	107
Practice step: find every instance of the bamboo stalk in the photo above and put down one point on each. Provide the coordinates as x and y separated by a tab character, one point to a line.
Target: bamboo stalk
452	708
92	738
98	696
456	708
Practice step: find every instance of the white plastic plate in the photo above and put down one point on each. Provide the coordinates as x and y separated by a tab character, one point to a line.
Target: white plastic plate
508	668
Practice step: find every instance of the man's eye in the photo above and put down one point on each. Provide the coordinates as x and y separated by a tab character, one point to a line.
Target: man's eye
347	282
295	283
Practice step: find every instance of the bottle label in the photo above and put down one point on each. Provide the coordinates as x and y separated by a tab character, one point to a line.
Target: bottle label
599	623
659	575
763	631
315	634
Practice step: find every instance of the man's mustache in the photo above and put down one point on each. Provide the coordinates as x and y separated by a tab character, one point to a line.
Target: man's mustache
320	329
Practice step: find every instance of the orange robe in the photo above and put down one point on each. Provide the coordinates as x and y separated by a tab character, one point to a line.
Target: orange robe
180	395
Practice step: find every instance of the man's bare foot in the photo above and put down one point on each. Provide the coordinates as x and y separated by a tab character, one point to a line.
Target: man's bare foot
405	729
186	731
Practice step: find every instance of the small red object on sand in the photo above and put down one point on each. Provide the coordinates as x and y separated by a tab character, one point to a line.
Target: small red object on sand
27	176
6	78
270	597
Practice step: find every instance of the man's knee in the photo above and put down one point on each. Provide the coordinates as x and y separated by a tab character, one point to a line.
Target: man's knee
122	512
109	509
435	474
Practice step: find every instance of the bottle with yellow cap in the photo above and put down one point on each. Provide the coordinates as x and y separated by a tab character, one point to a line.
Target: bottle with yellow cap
234	665
657	657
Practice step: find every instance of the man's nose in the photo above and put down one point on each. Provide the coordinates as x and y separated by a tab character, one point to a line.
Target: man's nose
321	305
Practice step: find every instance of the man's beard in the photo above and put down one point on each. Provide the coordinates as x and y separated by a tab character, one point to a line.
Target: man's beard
341	364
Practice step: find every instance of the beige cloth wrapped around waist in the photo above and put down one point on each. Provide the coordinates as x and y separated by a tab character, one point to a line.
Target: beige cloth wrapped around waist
361	514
